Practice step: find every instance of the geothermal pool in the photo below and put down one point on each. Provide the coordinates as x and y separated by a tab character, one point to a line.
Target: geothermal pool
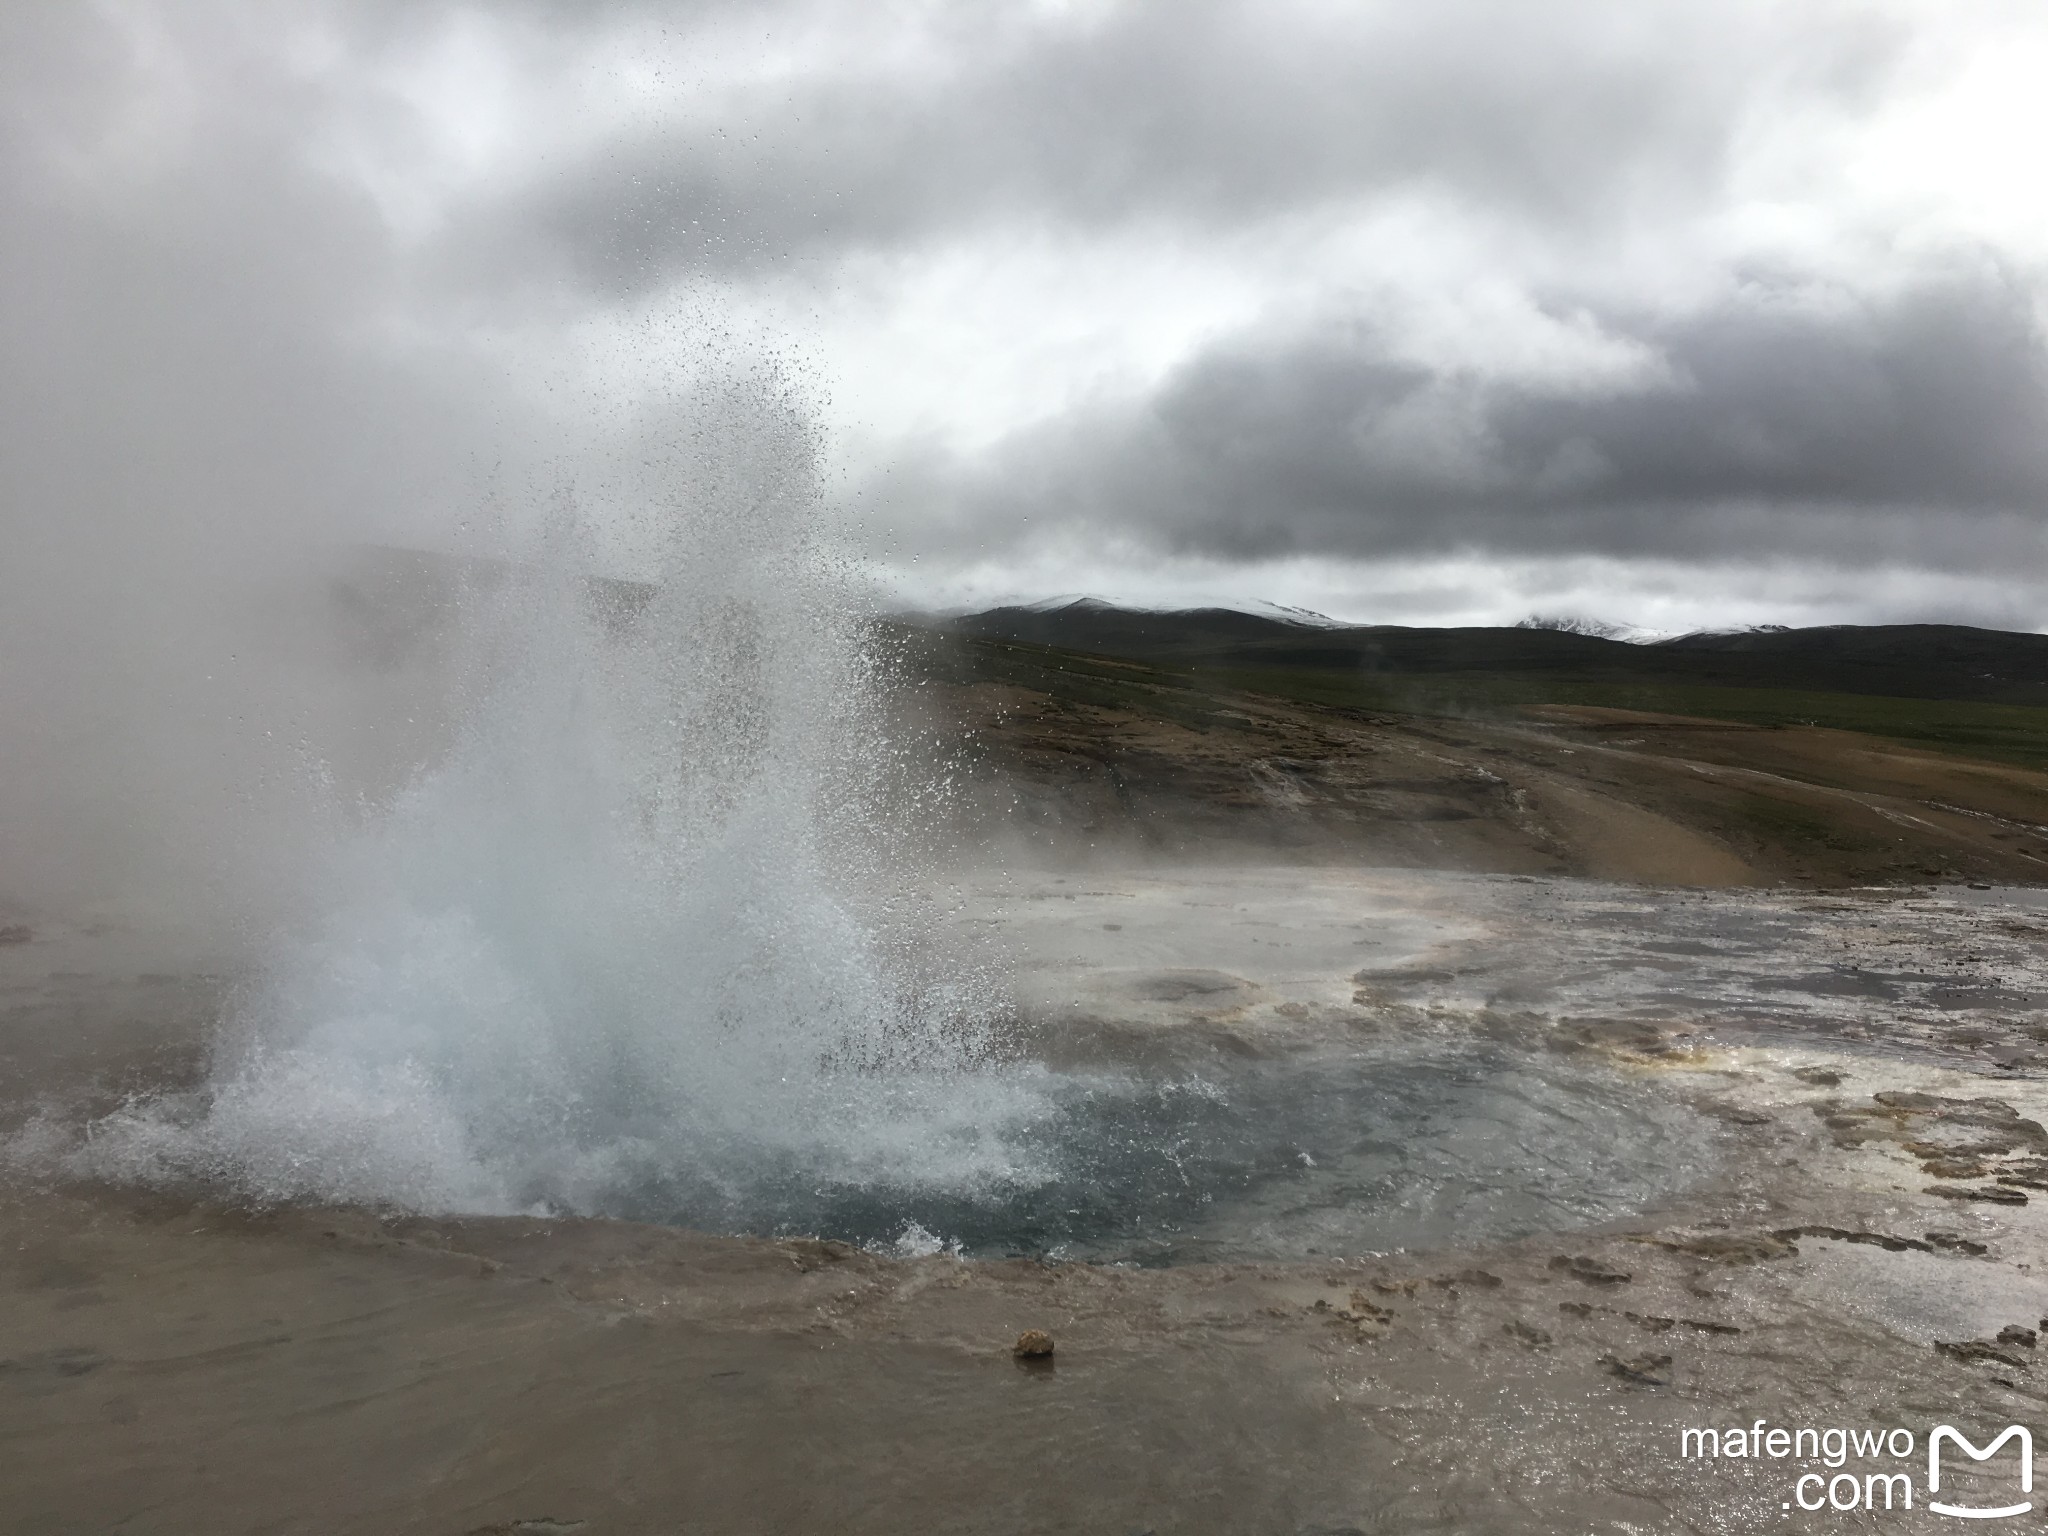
1317	1153
1285	1066
1190	1065
1266	1104
1254	1063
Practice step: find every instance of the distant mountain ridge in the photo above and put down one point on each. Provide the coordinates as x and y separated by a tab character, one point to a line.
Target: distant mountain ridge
1081	604
1940	661
1635	634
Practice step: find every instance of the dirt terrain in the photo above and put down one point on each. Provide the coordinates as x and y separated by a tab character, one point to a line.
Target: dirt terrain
1712	760
1119	757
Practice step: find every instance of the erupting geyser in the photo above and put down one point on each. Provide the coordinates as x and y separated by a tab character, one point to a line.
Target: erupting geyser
644	939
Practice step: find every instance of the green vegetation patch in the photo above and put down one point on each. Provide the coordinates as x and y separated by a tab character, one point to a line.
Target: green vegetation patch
2014	733
1197	696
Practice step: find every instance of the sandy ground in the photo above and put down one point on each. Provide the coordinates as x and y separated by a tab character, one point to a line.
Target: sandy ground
1872	1059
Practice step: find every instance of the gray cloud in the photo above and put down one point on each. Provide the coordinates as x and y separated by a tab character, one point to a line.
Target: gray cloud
1843	415
1786	417
1934	397
1209	115
221	344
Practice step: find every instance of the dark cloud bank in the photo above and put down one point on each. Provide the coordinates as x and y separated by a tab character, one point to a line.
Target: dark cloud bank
1205	116
1880	410
1787	418
210	325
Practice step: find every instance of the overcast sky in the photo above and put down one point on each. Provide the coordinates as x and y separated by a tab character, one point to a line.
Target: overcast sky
1434	311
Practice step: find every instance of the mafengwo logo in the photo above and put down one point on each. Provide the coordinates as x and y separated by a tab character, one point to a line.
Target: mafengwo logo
1842	1489
1944	1432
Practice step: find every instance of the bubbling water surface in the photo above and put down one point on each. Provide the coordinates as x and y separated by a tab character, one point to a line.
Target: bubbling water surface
1318	1153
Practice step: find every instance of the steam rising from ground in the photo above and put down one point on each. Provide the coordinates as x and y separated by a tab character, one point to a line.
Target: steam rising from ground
646	933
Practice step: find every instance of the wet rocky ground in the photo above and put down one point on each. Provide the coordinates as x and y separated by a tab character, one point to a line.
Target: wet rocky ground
1859	1245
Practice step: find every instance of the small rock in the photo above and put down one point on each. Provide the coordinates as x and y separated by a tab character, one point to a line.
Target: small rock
1590	1271
1820	1077
74	1360
1736	1116
2013	1333
811	1253
1975	1351
1032	1344
1953	1168
1533	1337
1729	1248
1650	1370
1993	1194
1955	1243
1884	1240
